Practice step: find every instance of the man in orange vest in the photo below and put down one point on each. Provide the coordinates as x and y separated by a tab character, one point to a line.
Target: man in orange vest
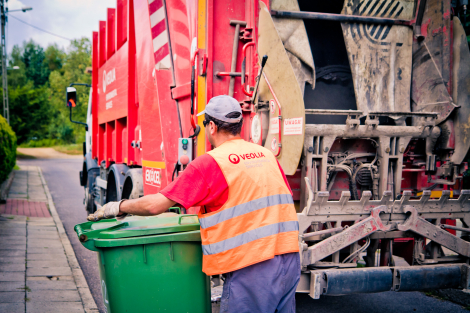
249	226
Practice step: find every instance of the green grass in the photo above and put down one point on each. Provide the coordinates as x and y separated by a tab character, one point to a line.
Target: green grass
434	294
25	288
73	149
40	143
76	148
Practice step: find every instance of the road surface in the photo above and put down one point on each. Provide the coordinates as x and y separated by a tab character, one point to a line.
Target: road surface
62	177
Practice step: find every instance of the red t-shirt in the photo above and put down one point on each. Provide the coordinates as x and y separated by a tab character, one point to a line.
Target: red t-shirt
202	184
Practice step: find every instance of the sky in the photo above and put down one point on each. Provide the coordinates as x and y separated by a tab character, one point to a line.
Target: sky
67	18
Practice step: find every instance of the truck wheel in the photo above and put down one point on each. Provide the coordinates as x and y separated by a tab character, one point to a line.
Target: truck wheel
90	205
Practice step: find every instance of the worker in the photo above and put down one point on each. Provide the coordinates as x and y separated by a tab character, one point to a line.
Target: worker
249	227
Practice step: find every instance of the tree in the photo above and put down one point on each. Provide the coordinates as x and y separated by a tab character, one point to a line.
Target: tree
33	58
37	90
73	71
30	111
54	58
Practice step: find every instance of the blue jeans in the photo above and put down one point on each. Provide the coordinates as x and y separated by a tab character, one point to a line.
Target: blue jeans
264	287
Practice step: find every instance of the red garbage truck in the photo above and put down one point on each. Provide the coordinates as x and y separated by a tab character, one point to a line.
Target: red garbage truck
364	103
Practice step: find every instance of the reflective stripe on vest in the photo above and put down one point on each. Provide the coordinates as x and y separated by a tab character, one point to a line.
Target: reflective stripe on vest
244	208
258	221
249	236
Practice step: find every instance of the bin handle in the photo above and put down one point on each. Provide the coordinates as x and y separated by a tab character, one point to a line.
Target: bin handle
185	215
93	234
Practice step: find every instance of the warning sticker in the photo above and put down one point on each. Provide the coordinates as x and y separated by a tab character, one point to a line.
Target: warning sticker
272	106
293	126
274	144
274	127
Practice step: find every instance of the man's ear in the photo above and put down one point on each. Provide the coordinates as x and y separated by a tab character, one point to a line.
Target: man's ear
213	127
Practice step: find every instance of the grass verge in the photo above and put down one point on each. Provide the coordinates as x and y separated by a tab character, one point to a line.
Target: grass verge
72	149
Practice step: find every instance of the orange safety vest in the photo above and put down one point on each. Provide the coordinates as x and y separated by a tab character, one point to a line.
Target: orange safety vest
258	221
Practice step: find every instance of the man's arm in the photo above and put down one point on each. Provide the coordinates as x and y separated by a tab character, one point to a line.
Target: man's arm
147	205
187	190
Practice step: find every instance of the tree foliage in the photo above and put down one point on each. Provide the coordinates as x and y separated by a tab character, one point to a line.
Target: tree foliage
37	90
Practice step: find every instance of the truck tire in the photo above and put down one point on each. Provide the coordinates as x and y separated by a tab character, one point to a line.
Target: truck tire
133	187
90	205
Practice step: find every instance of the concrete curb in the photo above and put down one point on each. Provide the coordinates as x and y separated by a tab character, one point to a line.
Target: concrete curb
88	303
5	187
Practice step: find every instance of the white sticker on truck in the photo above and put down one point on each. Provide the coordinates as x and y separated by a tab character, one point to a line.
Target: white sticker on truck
293	126
152	177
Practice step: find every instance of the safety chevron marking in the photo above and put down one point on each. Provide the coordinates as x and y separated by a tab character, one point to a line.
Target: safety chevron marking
161	50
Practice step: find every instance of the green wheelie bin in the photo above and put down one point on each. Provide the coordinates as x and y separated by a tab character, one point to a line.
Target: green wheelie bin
149	264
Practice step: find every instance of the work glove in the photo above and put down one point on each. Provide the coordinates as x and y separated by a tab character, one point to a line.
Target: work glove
109	210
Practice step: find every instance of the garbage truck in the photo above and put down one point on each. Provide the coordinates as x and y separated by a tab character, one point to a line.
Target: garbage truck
364	103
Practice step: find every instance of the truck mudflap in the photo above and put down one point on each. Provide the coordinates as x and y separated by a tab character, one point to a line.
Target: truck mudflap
335	282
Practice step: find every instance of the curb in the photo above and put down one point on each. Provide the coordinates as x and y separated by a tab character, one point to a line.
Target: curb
87	300
5	187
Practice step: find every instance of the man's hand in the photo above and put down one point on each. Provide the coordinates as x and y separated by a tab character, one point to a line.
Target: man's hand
145	206
109	210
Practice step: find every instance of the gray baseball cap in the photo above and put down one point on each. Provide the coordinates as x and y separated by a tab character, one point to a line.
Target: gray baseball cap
218	107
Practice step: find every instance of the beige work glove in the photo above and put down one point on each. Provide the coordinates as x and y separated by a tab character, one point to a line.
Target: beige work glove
109	210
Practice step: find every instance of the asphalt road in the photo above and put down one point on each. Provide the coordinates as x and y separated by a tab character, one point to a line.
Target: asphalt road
62	178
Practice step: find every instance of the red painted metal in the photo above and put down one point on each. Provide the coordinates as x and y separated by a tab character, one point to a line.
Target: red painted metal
121	23
132	96
246	85
113	86
111	28
102	43
94	95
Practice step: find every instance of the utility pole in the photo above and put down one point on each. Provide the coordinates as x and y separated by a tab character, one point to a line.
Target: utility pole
6	111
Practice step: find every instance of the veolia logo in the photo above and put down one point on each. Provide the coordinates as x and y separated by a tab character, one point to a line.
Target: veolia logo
235	159
108	78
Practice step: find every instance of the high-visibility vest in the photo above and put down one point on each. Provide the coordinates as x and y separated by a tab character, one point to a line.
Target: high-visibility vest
258	221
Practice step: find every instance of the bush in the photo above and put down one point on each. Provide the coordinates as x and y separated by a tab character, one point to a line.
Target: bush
7	149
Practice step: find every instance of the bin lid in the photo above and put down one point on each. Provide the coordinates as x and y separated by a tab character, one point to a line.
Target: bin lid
145	226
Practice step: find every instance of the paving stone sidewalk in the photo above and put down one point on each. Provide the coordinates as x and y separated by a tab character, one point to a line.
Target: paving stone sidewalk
38	268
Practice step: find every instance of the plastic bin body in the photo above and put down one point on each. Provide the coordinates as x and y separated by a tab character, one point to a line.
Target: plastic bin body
156	273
